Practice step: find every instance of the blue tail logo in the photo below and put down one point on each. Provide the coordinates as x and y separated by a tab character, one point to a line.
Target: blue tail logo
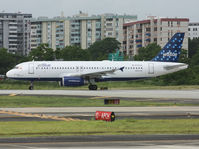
172	50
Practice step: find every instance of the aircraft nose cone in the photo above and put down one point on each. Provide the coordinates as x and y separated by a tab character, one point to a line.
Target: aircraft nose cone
8	74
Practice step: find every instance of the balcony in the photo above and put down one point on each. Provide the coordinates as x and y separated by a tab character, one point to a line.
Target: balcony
148	34
148	40
138	40
139	46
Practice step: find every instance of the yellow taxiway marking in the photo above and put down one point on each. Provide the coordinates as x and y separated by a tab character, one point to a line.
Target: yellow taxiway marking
40	116
12	94
98	97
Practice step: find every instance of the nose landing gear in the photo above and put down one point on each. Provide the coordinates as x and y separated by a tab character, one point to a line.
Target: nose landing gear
31	87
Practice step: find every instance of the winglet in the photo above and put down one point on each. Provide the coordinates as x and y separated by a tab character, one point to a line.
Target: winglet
122	69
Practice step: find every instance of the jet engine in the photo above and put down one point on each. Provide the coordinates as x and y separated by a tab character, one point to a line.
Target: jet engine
73	81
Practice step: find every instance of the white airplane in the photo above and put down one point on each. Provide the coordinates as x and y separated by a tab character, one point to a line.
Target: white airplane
78	73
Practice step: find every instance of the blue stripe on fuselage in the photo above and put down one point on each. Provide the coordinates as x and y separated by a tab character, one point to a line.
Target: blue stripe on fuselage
60	79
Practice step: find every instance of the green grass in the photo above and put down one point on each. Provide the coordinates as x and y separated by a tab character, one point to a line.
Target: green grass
12	84
62	101
121	127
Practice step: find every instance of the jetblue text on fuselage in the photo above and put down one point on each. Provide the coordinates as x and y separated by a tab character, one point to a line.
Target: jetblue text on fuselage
44	65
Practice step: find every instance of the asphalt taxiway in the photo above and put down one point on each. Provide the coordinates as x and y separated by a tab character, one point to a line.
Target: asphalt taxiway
99	142
85	113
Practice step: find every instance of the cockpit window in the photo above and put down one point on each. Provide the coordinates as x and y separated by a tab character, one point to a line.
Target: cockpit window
17	67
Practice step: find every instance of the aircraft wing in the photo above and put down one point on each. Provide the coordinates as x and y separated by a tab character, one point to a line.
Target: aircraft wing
96	74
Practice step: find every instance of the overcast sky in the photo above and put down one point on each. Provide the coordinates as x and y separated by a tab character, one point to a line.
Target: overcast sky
142	8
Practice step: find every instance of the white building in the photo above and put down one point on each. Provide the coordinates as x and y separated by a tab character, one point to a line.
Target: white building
15	32
160	30
80	30
193	30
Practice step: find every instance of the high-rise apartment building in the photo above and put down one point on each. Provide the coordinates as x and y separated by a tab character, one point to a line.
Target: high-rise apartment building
194	30
15	32
160	30
81	30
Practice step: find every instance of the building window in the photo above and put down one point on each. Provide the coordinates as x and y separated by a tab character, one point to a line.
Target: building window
148	29
139	30
178	22
109	19
109	34
109	24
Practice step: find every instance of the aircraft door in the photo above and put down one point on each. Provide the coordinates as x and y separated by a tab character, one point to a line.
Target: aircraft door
150	68
31	68
79	68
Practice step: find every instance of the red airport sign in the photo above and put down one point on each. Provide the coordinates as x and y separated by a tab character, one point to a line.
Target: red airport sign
105	116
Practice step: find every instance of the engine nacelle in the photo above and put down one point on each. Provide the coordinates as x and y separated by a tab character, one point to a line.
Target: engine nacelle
73	81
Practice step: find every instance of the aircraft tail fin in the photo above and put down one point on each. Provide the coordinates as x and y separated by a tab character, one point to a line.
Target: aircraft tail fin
172	50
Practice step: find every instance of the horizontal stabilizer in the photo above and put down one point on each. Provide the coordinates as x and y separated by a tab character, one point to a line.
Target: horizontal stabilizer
169	67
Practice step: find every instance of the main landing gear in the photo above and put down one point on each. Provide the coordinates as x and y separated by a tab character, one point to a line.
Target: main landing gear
31	87
92	87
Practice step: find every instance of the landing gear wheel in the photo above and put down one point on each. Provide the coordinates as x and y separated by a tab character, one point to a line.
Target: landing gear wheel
30	87
92	87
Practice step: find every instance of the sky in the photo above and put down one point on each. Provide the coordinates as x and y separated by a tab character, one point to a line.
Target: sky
141	8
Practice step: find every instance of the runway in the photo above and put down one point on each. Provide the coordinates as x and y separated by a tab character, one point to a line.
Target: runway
99	142
163	94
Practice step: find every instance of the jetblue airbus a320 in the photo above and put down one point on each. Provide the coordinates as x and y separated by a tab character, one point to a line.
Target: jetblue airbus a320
78	73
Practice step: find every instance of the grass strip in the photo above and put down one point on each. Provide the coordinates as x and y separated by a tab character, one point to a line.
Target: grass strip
62	101
13	84
119	127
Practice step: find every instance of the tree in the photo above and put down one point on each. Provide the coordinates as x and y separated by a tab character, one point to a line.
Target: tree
148	52
194	51
100	49
58	54
42	53
73	53
195	59
193	47
8	60
184	56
